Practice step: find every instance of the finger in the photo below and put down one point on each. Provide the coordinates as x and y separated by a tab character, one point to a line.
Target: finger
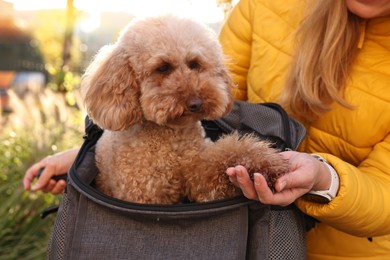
264	193
294	180
231	172
266	196
44	179
28	178
59	187
280	185
245	183
31	173
234	181
287	154
49	186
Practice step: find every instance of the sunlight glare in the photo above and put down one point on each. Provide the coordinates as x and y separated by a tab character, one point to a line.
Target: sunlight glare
203	10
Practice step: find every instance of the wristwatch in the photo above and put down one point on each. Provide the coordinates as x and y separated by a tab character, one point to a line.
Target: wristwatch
331	193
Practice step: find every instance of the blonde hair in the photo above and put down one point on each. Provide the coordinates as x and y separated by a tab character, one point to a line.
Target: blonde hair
326	47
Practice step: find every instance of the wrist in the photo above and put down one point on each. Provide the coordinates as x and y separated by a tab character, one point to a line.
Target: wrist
324	177
330	192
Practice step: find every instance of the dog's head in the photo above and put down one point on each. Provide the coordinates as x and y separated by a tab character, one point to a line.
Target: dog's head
168	70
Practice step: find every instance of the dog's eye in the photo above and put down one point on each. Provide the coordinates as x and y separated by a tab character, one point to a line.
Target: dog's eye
164	69
194	65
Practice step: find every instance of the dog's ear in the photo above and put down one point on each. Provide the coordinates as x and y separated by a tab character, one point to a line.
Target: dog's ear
224	74
110	91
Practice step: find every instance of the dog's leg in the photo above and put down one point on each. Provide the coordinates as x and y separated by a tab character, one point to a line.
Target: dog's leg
209	181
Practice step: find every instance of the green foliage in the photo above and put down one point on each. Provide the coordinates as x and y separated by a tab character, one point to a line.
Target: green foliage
64	81
39	126
48	29
21	230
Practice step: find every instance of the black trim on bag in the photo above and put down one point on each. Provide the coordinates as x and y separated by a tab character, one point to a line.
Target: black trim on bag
138	208
92	193
185	207
92	135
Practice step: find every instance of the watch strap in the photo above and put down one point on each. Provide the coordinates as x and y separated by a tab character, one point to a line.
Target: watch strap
331	193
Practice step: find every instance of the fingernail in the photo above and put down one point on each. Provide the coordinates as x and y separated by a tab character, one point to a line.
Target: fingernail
256	178
228	171
282	185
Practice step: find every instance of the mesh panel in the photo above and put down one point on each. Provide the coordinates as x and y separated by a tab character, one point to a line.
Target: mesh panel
287	235
57	241
268	120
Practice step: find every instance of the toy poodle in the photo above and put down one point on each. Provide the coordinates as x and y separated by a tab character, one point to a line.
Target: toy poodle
149	91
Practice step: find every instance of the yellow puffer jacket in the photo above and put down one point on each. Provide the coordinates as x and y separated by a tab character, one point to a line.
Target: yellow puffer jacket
258	37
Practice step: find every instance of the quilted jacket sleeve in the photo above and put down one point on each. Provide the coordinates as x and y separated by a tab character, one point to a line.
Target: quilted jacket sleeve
362	206
235	38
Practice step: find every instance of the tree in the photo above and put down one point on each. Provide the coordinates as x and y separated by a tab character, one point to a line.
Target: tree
68	37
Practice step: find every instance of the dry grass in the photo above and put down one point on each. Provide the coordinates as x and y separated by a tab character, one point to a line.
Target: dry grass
39	125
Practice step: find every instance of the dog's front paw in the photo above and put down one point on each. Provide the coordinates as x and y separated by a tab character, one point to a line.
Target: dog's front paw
256	155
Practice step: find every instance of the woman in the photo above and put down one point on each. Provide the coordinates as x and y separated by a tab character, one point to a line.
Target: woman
328	64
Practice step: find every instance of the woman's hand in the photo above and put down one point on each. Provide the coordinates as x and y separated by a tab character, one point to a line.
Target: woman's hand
56	164
306	174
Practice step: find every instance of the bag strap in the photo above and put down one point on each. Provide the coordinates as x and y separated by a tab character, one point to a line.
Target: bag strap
92	133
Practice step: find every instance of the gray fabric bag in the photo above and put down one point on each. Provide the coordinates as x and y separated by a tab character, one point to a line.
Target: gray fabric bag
91	225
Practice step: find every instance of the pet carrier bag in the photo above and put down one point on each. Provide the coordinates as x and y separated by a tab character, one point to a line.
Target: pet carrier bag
91	225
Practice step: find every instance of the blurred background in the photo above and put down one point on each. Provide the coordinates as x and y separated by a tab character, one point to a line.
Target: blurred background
45	46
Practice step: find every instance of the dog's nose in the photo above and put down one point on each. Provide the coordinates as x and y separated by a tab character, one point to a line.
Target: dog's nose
194	104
